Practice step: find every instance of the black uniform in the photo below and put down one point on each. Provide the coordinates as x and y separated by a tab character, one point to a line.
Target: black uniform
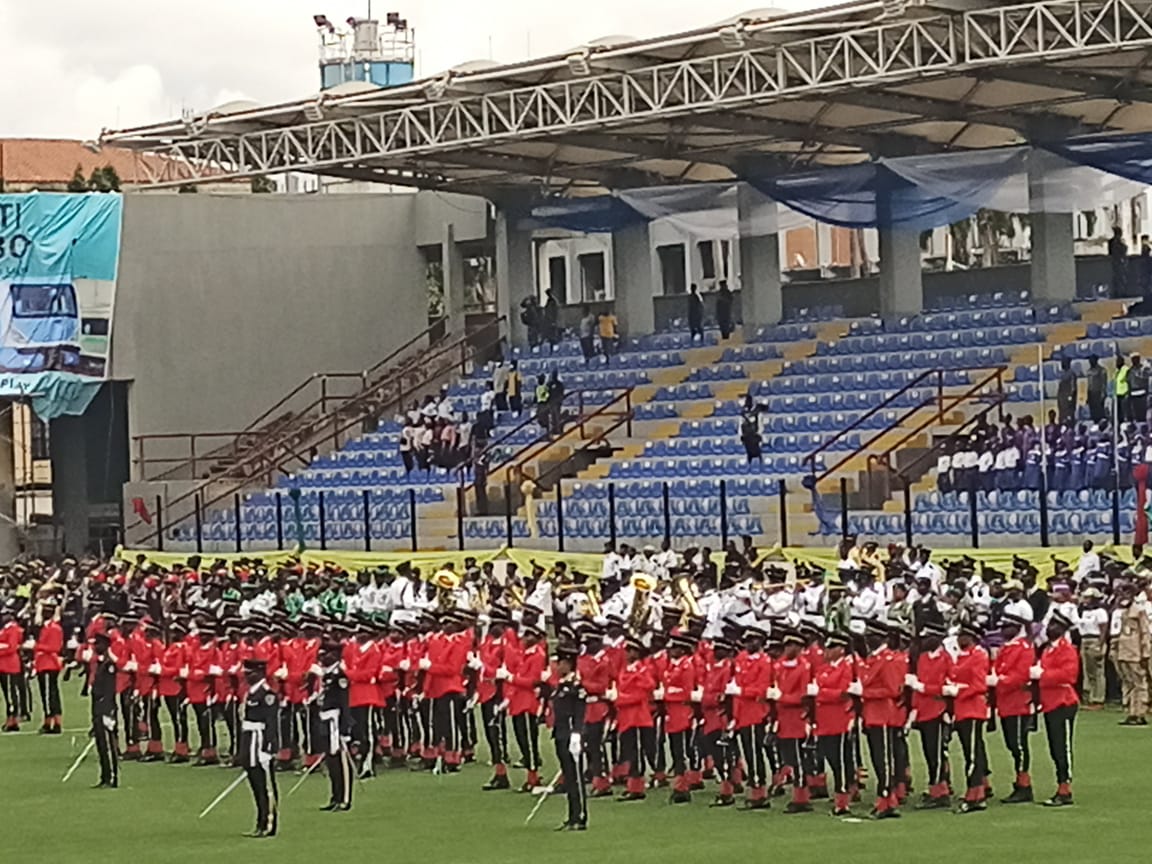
103	693
334	732
259	741
568	702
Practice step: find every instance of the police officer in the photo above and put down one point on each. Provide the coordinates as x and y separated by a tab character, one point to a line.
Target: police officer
259	734
568	703
335	729
103	693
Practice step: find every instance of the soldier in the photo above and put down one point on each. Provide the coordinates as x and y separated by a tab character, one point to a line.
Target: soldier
1014	707
881	685
635	685
11	668
1133	648
834	717
1057	671
596	670
490	693
679	686
929	713
751	678
568	708
47	664
525	669
102	674
259	741
792	675
335	729
967	686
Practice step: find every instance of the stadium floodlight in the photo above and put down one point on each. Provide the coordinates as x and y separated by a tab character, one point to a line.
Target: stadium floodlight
392	19
323	23
402	24
733	38
437	87
578	63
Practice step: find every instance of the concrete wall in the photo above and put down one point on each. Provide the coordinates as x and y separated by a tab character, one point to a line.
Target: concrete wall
225	304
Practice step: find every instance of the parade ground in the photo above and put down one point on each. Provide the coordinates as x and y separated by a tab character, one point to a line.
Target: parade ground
406	817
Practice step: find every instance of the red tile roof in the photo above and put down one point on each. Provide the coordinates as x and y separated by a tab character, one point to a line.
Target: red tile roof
27	161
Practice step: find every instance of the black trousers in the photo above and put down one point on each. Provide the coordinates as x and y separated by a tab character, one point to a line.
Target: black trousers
128	712
262	779
104	731
1016	731
881	747
446	730
934	746
752	746
289	735
9	683
724	751
150	715
971	735
228	712
495	731
1059	725
526	728
394	725
339	767
836	752
49	694
638	749
361	731
205	728
791	752
594	751
178	716
572	767
660	761
679	746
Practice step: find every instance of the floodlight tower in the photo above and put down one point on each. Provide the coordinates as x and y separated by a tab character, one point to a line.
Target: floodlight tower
366	51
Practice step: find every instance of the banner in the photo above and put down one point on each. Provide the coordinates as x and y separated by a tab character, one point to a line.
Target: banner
58	260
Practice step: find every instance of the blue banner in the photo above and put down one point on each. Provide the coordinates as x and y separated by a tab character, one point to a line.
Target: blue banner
58	260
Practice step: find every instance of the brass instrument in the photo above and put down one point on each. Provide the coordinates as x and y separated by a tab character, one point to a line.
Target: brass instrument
446	583
515	595
642	585
686	594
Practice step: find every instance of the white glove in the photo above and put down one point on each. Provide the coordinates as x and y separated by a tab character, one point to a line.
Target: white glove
183	673
910	681
154	669
282	672
950	689
575	746
483	620
855	689
472	702
773	693
131	666
992	680
813	689
315	669
109	723
215	671
86	656
1036	672
697	695
404	665
732	689
658	694
475	663
72	645
502	674
610	694
545	676
424	665
29	644
265	759
916	684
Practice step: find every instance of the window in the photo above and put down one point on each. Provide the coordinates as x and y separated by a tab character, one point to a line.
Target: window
38	437
673	279
707	252
558	278
725	257
43	301
592	280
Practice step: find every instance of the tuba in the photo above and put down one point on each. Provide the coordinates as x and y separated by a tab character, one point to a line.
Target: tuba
686	594
446	583
642	585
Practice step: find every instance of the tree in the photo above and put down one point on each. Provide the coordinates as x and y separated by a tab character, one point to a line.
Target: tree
262	185
188	189
78	183
102	179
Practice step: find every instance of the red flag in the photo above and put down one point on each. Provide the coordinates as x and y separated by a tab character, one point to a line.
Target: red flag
141	510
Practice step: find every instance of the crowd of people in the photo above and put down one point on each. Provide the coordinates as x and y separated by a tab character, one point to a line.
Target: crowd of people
673	668
434	434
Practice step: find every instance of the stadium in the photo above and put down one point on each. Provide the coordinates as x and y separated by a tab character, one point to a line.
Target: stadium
813	337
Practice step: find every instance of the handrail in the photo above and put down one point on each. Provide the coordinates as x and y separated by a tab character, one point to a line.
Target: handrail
274	454
938	399
915	382
908	470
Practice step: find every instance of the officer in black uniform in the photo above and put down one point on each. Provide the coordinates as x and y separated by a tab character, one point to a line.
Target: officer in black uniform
568	702
259	741
103	693
335	729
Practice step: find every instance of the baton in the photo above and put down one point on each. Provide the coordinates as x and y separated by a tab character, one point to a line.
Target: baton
544	796
83	755
308	772
223	795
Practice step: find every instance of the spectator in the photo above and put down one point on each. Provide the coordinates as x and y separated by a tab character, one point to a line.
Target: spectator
1097	389
543	415
1118	255
986	463
430	408
1066	391
724	309
550	319
695	314
1137	391
588	335
500	385
408	438
424	443
556	403
609	337
465	435
486	418
445	410
530	317
1145	267
1121	389
512	389
750	429
944	469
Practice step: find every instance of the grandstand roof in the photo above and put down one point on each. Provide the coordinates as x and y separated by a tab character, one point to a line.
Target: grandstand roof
766	93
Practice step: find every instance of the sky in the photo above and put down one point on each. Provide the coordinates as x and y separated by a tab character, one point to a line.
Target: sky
73	68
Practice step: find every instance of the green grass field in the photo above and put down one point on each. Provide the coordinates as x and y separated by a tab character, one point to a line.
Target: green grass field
415	817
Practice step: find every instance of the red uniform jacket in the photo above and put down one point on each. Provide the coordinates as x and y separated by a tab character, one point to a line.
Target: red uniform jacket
814	654
11	638
834	708
361	666
1014	687
146	652
300	655
121	652
491	654
388	678
634	686
200	658
679	682
882	678
49	643
527	665
596	671
1061	665
171	662
970	673
245	650
752	673
224	685
268	650
414	650
715	678
792	677
448	654
933	670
